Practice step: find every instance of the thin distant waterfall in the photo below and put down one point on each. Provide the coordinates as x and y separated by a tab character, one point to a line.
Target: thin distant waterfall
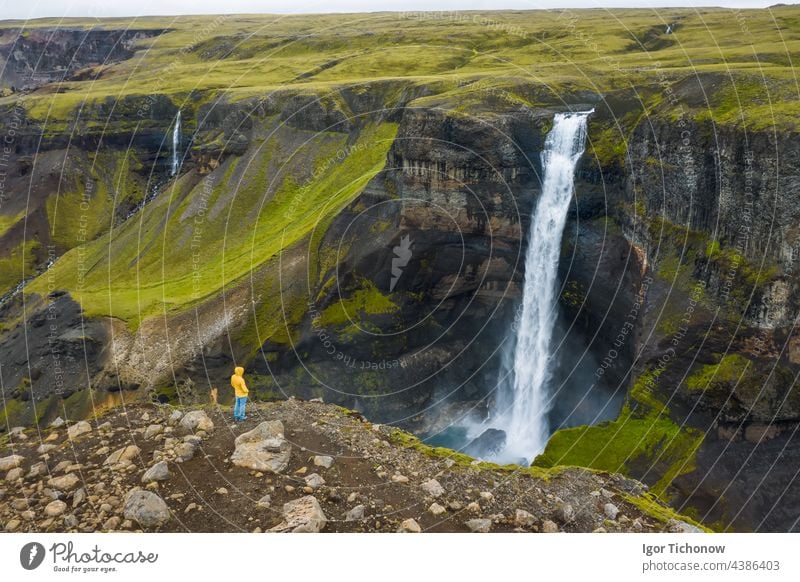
527	406
176	142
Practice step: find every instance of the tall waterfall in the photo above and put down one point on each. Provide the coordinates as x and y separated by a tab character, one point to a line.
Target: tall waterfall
176	142
525	416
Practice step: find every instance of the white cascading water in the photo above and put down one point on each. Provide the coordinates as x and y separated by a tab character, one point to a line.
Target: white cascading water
525	416
176	142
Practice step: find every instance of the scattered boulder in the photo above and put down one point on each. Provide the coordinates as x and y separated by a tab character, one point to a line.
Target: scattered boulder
57	423
302	515
263	449
196	420
123	455
11	462
55	508
409	526
146	508
78	429
64	482
479	525
175	417
433	488
323	461
158	472
264	502
79	497
436	509
45	448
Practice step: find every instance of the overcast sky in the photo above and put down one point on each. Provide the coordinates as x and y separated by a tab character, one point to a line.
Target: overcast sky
99	8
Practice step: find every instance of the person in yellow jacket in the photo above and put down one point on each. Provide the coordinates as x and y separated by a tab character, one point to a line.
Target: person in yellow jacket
241	392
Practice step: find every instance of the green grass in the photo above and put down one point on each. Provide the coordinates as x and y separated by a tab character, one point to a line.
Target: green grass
191	243
560	52
641	439
726	373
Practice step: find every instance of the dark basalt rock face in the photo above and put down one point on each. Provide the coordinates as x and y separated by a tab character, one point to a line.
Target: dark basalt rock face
45	55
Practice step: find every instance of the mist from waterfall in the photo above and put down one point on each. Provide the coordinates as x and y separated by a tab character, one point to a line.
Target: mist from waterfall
176	142
525	400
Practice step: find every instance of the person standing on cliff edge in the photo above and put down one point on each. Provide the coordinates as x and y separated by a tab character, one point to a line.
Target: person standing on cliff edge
241	392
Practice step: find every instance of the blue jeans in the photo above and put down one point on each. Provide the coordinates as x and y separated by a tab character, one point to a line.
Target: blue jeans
238	408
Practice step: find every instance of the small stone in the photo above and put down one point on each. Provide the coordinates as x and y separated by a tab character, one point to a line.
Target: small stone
264	502
432	488
436	509
314	481
78	497
55	508
455	506
57	423
11	462
479	525
606	493
13	525
106	427
302	515
190	507
549	526
600	530
78	429
323	461
289	489
409	526
175	416
221	491
398	478
301	471
28	515
123	455
112	523
65	482
15	474
45	448
70	521
153	430
565	513
523	518
610	510
355	514
677	526
474	507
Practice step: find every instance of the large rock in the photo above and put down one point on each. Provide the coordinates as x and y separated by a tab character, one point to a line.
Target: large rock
263	449
11	462
158	472
146	508
123	455
490	442
78	429
197	420
302	515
